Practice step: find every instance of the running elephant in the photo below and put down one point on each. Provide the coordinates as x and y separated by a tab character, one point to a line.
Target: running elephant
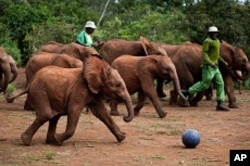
139	74
56	91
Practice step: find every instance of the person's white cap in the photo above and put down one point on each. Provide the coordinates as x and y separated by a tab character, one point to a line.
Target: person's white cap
90	24
213	29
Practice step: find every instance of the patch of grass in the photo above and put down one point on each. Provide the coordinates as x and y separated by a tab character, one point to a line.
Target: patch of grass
86	164
11	88
157	157
199	162
162	128
31	158
140	158
49	155
194	162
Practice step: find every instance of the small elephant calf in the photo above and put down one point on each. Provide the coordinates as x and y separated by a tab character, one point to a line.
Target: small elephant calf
56	91
139	74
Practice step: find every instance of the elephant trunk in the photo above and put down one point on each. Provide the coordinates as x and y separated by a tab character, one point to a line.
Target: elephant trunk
6	78
129	106
14	73
177	85
244	75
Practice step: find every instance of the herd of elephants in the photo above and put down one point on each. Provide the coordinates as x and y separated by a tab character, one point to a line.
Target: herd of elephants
62	79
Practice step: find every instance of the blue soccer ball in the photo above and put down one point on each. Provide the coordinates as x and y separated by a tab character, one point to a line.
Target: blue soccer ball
191	138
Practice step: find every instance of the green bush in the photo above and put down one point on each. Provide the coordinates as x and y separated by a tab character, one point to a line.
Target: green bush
11	88
9	45
246	84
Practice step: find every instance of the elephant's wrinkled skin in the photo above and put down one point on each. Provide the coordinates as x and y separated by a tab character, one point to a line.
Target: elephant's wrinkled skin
8	70
188	58
57	91
139	74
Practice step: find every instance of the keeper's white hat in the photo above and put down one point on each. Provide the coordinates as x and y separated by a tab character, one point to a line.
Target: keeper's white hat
90	24
213	29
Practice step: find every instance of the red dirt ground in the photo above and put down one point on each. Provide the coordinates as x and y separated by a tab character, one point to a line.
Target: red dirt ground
150	140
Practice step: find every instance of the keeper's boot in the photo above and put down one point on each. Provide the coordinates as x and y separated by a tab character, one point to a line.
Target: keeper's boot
221	107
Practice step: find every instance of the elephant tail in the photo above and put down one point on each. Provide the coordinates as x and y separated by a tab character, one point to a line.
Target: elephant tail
10	99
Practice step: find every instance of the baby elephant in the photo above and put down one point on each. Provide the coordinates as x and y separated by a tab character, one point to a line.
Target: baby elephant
139	74
56	91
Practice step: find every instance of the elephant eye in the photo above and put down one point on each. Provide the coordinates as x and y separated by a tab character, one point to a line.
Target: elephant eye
118	85
244	61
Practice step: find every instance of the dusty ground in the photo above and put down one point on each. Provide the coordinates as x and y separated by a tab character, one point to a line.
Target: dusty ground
150	140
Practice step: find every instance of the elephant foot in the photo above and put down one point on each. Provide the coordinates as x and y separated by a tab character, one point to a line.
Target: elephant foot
233	105
193	103
51	140
183	104
162	114
136	113
114	113
58	139
9	99
120	136
26	139
161	94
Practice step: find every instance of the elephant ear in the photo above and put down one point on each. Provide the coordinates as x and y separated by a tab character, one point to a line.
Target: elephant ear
92	73
145	44
147	64
84	52
227	52
151	48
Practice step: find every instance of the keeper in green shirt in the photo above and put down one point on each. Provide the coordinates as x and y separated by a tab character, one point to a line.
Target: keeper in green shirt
84	37
210	70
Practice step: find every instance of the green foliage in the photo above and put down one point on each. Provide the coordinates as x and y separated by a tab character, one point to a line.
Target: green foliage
11	88
21	18
155	25
246	84
9	45
48	31
26	25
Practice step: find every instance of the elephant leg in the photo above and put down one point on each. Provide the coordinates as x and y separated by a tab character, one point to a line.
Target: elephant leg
98	109
27	105
140	103
149	90
72	120
52	130
173	97
159	88
229	88
113	106
1	80
29	133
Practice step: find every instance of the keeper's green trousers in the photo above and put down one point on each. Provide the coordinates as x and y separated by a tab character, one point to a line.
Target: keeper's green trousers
210	74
